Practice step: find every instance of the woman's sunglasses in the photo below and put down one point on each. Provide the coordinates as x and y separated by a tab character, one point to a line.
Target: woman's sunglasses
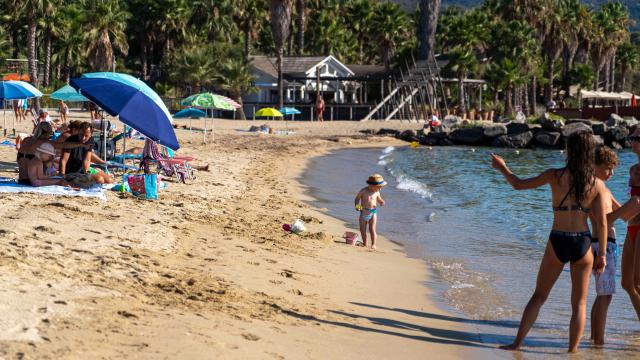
634	138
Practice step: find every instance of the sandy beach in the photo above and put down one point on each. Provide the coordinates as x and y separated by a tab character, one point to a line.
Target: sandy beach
207	271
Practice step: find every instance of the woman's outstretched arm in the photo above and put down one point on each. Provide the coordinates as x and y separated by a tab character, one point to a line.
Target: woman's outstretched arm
520	184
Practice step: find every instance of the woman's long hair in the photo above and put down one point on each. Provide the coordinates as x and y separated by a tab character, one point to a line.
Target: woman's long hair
42	129
581	149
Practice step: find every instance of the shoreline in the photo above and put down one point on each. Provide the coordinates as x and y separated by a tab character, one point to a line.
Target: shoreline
207	271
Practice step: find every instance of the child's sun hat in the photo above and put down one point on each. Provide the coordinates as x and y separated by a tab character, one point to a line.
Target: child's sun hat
376	179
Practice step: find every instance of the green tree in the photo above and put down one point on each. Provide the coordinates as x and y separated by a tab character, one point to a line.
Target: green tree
392	27
628	58
280	26
105	26
235	78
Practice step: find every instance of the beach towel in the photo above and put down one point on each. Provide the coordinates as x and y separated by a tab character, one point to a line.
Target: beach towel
11	186
7	143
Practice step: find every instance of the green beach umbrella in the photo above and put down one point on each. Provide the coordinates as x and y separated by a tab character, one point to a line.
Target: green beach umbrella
68	93
208	101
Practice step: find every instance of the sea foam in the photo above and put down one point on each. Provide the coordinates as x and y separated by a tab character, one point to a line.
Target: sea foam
408	184
388	150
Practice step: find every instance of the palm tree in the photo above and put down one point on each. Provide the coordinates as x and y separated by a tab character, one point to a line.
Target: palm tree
50	22
235	77
427	24
106	24
392	27
301	20
32	22
360	19
249	15
581	75
462	61
628	58
280	25
193	65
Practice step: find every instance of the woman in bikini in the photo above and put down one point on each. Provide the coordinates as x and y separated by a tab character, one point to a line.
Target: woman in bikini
630	267
28	146
574	190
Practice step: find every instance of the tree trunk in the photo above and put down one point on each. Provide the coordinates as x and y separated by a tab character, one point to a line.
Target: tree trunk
525	100
15	43
144	56
607	68
461	102
47	58
548	88
247	44
280	26
427	24
280	79
301	8
623	78
32	18
508	110
596	80
612	70
533	100
67	67
240	110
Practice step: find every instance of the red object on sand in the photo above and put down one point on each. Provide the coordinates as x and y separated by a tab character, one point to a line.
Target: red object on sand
633	101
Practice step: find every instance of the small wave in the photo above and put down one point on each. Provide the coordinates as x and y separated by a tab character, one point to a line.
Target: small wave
388	149
383	162
462	286
408	184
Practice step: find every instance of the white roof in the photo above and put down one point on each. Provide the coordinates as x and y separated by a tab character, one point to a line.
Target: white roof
586	94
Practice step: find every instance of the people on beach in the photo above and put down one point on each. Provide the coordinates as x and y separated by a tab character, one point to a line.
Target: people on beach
320	108
576	193
630	260
18	110
63	110
36	168
78	160
28	146
606	161
366	202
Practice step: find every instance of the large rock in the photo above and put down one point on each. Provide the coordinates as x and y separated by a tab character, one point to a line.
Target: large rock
408	135
520	140
440	129
446	142
549	124
631	122
428	140
388	132
599	128
584	121
468	136
451	121
547	139
569	129
614	120
616	134
492	130
517	128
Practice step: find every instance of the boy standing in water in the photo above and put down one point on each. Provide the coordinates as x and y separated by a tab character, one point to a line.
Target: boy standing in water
606	160
366	201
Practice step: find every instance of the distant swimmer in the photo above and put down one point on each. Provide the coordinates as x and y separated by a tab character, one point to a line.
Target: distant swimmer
366	203
576	193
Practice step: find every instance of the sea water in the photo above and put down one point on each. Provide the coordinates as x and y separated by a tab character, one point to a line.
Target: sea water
482	239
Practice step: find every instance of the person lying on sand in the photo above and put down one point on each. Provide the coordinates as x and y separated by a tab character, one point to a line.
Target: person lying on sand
43	154
366	203
575	193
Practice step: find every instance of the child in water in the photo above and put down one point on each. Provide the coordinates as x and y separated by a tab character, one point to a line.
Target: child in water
366	202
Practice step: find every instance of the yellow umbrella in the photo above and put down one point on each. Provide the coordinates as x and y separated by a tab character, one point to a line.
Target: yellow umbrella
270	112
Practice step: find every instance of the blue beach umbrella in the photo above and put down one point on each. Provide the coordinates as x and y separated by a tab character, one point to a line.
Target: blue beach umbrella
13	90
133	101
289	111
68	93
189	113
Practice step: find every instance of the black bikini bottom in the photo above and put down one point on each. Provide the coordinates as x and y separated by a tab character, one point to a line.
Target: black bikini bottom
570	246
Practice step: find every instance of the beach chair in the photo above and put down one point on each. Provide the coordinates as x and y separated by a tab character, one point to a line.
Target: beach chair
178	168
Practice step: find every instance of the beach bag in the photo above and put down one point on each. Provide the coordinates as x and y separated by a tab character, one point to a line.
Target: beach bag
82	181
298	227
146	185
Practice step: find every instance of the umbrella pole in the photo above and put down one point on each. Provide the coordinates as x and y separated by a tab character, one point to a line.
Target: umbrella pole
4	115
124	144
190	120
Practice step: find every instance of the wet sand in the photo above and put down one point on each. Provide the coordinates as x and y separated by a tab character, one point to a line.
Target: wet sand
207	272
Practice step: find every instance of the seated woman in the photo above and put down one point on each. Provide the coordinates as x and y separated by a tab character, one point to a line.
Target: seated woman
35	168
78	159
28	146
72	129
